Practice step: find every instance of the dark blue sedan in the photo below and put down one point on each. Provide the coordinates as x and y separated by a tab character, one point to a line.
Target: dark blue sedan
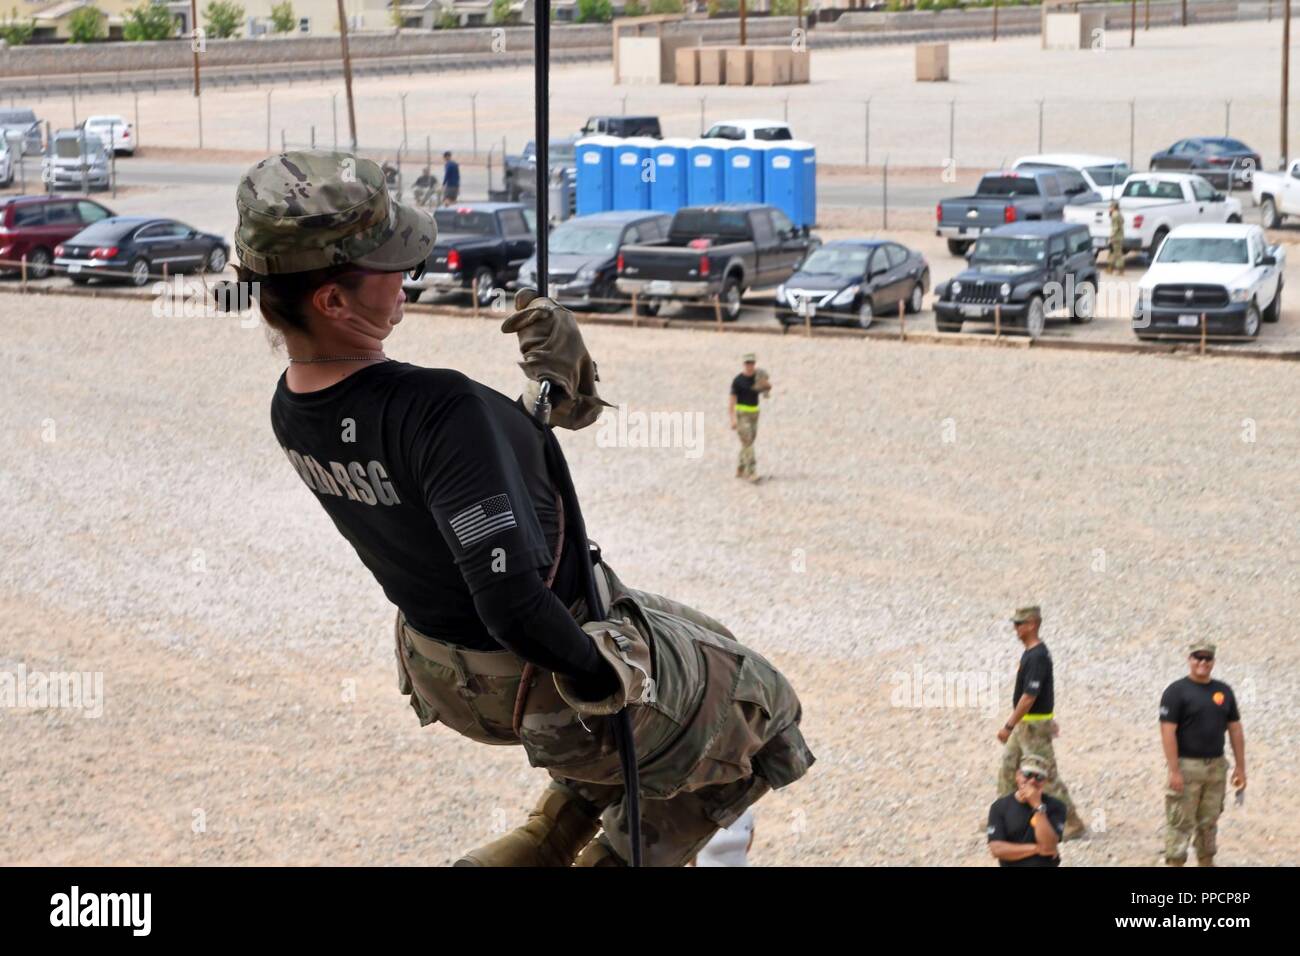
136	249
852	281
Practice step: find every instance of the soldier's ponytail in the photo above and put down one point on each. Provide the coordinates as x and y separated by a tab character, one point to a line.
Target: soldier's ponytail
280	296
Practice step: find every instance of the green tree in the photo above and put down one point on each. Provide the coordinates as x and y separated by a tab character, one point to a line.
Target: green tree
282	18
14	32
149	21
85	25
501	12
666	6
224	18
723	6
595	11
633	8
447	20
785	8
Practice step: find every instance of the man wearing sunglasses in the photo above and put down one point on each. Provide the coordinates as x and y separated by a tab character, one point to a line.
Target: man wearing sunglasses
1195	712
1026	825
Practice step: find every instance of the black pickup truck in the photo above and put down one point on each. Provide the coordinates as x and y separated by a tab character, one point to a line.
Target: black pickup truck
1016	195
714	252
483	241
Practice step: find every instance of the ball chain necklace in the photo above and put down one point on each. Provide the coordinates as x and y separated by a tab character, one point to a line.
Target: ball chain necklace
371	357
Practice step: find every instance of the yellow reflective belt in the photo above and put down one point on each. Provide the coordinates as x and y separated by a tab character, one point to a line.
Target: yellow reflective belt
1038	717
746	408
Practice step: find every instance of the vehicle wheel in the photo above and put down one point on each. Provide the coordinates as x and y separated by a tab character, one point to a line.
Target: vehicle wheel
216	261
917	299
1274	310
1250	322
486	280
38	263
648	306
78	280
730	298
1158	238
1268	213
958	247
605	298
1234	218
941	326
1085	303
1035	318
140	273
866	314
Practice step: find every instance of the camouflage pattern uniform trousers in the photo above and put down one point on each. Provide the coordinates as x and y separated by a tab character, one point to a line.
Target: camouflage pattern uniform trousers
719	729
1196	809
1034	737
1115	260
747	429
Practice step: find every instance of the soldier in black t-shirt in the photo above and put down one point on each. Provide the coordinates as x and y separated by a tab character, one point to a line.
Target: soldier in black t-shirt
1032	725
746	388
1195	713
1026	825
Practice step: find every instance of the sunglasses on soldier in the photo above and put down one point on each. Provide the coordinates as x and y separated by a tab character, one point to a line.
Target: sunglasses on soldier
414	273
1033	775
1202	657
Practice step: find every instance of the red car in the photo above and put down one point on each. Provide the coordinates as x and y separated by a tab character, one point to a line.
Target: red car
32	226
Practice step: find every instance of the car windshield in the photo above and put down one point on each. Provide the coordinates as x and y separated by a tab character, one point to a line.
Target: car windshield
993	249
465	221
585	240
70	147
1007	186
1204	249
561	151
772	133
709	224
17	117
1109	175
1153	189
837	260
722	131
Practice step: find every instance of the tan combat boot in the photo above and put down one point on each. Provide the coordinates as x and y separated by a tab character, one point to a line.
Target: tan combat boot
557	828
1205	861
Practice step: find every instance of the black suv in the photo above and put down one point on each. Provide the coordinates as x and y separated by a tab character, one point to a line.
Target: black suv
1024	271
623	126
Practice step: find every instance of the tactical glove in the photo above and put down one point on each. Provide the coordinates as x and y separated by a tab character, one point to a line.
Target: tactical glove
628	654
553	351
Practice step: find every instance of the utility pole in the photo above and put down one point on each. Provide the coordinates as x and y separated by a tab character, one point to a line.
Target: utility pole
1286	72
194	41
347	75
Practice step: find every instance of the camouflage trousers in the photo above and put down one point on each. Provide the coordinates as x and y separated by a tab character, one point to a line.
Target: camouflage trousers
1115	259
722	729
1196	809
747	430
1034	737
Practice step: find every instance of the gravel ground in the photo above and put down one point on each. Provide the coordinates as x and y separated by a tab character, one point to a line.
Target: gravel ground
914	495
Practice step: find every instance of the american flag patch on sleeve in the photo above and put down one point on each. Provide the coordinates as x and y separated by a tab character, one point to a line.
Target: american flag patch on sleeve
483	519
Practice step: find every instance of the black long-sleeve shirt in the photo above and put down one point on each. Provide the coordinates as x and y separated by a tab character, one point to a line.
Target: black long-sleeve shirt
441	486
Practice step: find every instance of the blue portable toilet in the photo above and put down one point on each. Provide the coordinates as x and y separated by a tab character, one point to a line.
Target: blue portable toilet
744	179
668	188
594	158
632	173
707	160
790	180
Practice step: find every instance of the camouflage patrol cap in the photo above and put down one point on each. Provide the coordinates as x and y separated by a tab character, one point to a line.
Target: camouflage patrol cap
1201	647
1033	763
1031	613
311	209
749	357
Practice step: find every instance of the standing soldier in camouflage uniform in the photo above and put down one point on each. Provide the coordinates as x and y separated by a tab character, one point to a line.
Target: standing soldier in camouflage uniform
746	388
1032	724
1115	261
457	500
1195	712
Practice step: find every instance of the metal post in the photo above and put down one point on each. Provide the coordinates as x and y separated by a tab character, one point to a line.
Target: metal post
347	75
952	128
334	117
402	96
74	107
1146	13
743	13
866	134
1184	12
137	118
268	119
112	156
1040	126
473	120
702	99
283	148
995	21
1286	71
542	135
1227	117
194	35
1132	126
313	135
902	322
624	113
884	195
1132	22
785	109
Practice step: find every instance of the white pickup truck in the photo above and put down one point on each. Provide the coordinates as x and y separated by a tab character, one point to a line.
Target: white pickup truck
1227	278
1152	204
1277	194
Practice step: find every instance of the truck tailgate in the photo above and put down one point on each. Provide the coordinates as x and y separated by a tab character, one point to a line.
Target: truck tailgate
981	212
673	263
